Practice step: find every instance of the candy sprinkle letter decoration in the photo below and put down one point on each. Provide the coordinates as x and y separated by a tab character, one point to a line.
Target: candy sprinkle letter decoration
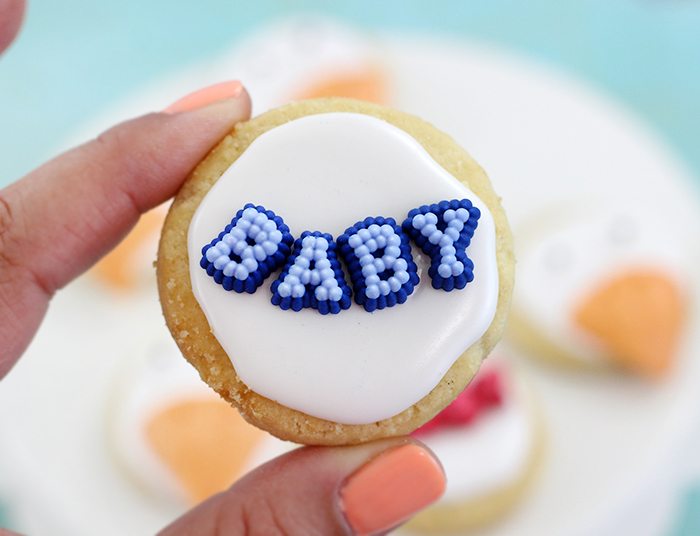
378	256
312	277
248	250
443	231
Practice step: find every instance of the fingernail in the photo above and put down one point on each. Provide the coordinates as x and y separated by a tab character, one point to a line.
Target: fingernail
206	96
390	488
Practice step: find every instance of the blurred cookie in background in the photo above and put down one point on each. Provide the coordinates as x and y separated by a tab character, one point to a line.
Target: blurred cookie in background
173	437
309	57
601	286
490	441
129	267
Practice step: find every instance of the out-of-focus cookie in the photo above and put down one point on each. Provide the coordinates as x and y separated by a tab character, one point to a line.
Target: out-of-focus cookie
601	286
129	266
490	441
176	439
333	181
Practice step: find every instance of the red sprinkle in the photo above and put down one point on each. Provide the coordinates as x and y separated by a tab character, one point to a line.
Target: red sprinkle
485	392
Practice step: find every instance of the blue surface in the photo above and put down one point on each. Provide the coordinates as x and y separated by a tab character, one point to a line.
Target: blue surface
75	58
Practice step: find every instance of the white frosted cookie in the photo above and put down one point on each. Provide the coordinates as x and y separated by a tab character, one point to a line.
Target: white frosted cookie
490	443
601	285
336	270
174	437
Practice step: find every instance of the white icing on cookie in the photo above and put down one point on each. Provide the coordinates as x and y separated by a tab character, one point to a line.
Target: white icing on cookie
570	251
489	454
326	172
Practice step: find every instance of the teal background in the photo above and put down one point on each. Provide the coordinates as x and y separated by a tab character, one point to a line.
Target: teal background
76	58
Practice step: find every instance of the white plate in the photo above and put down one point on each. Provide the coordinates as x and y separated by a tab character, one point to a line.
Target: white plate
541	136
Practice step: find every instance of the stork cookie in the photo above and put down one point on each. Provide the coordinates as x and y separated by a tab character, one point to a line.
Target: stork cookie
602	288
490	441
336	270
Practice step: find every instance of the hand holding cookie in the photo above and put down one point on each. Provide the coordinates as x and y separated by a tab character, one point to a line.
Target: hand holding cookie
59	219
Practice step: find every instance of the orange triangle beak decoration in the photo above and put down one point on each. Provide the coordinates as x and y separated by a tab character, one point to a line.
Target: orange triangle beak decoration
368	85
638	316
204	443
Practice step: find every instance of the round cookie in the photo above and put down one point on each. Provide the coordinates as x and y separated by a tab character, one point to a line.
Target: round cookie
354	376
173	437
490	441
603	288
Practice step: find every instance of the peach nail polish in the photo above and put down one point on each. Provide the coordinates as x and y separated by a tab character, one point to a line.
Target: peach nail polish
390	488
205	96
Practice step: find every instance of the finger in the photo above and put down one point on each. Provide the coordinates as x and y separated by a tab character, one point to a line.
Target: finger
365	489
11	14
61	218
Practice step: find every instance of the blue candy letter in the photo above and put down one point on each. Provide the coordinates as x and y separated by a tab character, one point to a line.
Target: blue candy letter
379	258
312	277
443	231
249	249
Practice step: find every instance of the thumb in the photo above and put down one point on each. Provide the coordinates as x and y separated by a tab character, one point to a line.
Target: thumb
363	489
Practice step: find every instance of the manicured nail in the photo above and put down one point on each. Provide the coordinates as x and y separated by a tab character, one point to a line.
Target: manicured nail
390	488
206	96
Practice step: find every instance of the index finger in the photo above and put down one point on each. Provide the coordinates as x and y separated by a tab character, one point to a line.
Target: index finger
59	219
